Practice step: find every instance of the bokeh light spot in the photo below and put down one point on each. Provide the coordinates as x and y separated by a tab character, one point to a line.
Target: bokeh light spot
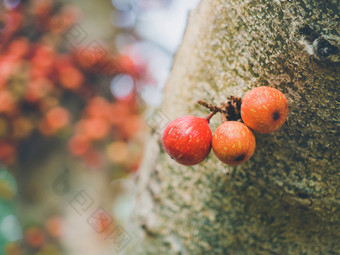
122	86
10	228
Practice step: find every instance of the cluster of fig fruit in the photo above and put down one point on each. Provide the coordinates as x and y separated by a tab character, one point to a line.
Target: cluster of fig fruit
188	139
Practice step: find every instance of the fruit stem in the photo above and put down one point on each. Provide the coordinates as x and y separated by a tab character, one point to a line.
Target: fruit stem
230	110
212	108
223	117
210	115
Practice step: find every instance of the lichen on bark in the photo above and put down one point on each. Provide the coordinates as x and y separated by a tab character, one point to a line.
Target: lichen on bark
285	199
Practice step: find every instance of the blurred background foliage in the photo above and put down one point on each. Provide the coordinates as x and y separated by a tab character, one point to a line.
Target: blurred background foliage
77	79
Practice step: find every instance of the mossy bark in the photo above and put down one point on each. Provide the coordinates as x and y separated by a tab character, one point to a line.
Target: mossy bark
285	199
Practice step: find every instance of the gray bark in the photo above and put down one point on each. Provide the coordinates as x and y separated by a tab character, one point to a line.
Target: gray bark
285	199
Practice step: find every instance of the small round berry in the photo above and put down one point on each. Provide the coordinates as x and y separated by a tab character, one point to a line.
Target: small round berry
233	143
264	109
188	140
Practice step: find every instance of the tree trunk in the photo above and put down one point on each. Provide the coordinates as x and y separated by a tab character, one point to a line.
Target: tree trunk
285	199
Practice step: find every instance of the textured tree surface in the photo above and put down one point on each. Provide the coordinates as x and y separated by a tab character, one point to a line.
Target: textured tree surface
286	198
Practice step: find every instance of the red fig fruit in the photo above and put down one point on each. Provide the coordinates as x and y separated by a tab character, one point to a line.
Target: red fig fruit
188	139
233	143
264	109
